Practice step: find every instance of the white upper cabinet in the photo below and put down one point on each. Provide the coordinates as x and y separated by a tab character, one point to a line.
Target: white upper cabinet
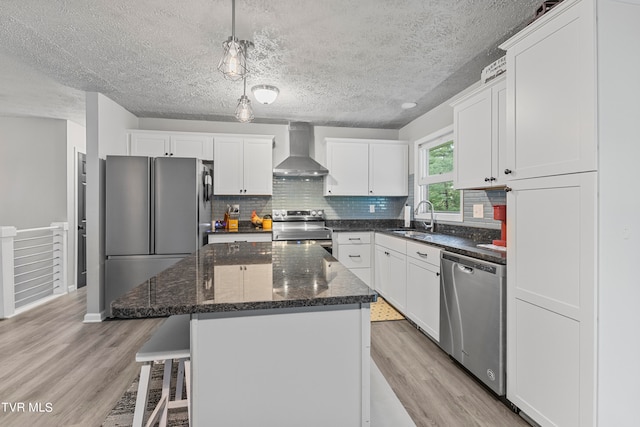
479	136
551	102
348	164
359	167
243	165
161	144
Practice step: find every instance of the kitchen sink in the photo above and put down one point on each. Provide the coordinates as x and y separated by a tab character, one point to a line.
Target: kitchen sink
420	235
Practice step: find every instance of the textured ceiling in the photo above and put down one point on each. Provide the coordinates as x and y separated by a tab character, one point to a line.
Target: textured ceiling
336	62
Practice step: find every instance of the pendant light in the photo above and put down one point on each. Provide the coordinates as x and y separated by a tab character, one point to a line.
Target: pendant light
233	63
244	112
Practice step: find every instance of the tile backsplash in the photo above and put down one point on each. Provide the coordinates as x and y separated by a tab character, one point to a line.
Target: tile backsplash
297	192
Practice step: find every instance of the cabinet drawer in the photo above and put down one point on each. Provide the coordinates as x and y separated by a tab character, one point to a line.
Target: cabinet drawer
355	256
354	238
239	237
423	252
397	244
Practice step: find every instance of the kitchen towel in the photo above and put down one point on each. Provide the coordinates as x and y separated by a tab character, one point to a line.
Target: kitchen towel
407	216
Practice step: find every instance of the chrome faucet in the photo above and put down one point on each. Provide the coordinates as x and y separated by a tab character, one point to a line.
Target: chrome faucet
424	223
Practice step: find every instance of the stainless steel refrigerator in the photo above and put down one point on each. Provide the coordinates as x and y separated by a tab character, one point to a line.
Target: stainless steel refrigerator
158	210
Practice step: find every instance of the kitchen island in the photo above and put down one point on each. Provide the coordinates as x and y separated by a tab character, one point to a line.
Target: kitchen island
280	333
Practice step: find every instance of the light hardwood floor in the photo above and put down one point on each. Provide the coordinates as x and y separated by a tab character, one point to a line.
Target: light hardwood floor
432	388
47	355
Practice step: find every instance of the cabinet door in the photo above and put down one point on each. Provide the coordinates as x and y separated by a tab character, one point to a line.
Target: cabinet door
198	146
473	141
228	283
258	167
150	144
551	297
551	128
423	296
228	166
381	270
258	282
499	143
397	280
388	169
348	164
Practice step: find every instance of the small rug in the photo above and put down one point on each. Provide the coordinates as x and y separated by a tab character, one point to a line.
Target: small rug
122	413
382	310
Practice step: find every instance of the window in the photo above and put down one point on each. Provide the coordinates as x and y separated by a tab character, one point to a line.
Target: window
435	175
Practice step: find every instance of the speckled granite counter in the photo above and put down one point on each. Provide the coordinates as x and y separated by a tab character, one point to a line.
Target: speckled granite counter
281	275
458	245
457	239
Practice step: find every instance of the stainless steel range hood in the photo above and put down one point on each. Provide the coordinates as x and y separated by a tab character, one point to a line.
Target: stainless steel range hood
299	162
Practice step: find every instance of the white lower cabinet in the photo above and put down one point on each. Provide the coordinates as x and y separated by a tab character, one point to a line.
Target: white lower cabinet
232	237
407	274
353	250
551	328
250	282
423	287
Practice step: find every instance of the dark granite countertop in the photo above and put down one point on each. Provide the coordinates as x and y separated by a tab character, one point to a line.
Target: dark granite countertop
226	277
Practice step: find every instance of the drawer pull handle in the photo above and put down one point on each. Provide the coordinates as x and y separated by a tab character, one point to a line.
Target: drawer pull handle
354	238
354	256
421	254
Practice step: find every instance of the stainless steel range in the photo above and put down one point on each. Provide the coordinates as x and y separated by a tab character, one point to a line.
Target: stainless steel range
301	225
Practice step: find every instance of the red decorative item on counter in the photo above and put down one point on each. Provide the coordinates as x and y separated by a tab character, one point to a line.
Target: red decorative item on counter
500	214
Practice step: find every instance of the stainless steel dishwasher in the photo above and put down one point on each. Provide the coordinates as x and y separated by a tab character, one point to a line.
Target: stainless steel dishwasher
473	315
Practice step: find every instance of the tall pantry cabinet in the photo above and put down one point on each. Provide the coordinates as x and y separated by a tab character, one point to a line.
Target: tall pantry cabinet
551	173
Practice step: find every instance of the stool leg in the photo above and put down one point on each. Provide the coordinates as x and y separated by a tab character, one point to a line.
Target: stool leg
187	378
180	379
166	389
143	394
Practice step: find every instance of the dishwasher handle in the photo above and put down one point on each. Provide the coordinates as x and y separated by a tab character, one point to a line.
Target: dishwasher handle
465	269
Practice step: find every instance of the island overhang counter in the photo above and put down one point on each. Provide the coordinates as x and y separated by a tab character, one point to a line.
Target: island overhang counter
280	333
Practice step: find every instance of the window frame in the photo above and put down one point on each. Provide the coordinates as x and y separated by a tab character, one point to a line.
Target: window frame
427	142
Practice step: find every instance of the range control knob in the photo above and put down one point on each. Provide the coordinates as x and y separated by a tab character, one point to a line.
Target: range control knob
320	213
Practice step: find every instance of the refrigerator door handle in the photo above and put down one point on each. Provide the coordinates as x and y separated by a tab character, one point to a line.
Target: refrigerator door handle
152	209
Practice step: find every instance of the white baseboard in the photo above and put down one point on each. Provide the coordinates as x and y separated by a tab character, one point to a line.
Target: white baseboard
94	317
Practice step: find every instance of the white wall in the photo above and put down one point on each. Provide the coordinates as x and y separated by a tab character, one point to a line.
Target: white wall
107	123
619	230
33	180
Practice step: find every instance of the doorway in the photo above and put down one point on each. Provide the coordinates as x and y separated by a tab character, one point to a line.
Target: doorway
82	221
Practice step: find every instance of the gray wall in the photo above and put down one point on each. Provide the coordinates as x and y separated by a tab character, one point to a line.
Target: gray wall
33	172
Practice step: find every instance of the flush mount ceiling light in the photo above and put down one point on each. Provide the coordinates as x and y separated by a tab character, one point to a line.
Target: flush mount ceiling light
233	63
265	94
408	105
244	112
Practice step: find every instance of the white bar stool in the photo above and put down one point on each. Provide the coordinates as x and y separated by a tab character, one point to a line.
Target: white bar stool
170	342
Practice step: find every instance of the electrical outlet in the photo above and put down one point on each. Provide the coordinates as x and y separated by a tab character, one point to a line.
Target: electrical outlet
478	211
372	208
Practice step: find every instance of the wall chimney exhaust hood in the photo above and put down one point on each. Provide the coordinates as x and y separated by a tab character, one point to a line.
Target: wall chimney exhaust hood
299	162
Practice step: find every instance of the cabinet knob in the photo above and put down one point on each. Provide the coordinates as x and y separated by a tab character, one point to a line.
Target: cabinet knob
241	190
487	179
370	191
493	178
166	154
507	171
171	154
329	191
245	190
507	189
437	274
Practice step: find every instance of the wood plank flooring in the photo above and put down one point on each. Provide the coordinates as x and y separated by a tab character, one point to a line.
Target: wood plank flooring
47	355
432	388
